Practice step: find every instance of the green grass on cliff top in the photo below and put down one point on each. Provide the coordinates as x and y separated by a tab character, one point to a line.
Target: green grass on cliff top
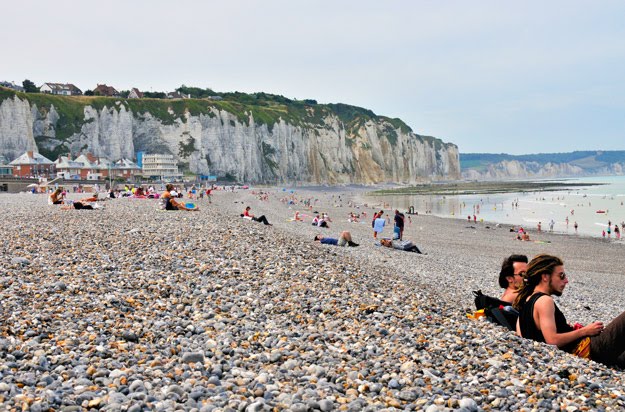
266	109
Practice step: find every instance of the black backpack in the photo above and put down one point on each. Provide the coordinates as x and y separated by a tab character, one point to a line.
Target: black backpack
497	310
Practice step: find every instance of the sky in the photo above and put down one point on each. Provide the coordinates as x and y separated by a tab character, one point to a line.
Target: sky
489	76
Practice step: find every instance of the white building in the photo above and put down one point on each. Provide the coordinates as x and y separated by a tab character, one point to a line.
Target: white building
162	166
65	89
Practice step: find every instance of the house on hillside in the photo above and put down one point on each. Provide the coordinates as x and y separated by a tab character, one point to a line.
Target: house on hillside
32	164
135	94
12	85
104	90
63	89
178	95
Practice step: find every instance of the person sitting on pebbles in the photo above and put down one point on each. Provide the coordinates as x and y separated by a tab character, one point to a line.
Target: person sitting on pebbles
246	214
320	222
344	239
511	275
542	321
56	197
171	204
405	245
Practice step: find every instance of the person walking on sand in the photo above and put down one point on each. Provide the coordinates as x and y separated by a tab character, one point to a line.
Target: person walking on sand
378	224
542	321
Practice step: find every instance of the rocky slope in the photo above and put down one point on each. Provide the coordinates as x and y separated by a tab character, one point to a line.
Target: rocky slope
278	143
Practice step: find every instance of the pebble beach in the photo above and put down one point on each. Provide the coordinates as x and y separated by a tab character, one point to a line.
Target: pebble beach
132	308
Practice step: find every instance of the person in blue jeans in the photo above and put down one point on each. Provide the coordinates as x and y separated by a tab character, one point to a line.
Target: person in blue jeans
344	239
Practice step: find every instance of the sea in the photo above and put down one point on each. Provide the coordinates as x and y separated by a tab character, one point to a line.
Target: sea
592	207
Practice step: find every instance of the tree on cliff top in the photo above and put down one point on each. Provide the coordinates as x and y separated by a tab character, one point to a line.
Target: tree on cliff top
29	87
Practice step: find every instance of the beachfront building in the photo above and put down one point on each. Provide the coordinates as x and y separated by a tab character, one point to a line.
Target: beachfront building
160	166
125	169
6	170
64	89
89	167
32	164
70	169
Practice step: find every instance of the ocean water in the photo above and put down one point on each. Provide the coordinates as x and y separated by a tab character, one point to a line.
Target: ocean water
579	205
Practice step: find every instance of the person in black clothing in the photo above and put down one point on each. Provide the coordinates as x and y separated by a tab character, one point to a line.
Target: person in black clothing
261	219
399	223
542	321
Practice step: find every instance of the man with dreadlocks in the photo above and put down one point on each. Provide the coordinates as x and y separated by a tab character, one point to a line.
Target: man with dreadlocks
541	320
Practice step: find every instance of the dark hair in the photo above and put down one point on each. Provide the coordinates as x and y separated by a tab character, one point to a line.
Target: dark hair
316	237
540	265
169	187
507	268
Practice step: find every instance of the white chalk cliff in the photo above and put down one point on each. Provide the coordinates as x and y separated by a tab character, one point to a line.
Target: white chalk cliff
514	169
220	143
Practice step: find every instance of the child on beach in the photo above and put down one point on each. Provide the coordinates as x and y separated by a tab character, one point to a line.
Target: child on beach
378	224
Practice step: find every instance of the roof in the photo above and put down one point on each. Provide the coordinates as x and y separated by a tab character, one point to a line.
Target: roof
63	86
105	90
31	158
136	91
64	162
126	164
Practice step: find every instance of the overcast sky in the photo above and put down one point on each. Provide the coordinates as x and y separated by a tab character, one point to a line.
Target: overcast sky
489	76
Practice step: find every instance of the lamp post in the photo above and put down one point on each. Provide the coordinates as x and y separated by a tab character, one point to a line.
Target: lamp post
110	182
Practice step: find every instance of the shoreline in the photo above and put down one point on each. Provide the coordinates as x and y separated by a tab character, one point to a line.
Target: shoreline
207	310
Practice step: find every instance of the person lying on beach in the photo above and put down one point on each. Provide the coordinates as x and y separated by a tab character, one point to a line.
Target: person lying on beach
246	214
56	197
344	239
92	198
511	275
405	245
77	205
171	204
542	321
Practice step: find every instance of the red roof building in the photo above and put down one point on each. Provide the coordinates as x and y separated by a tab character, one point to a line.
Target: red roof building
104	90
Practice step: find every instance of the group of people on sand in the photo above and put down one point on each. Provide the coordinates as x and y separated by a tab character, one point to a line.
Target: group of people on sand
529	287
57	197
378	223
